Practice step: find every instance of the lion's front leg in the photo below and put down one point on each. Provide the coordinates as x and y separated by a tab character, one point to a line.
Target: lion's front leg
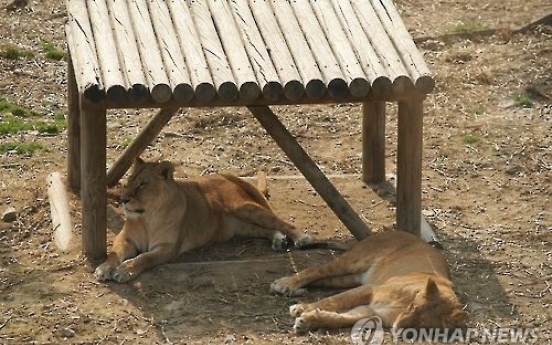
123	249
346	300
132	268
318	318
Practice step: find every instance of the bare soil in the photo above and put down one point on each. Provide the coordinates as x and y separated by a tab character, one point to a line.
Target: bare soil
486	192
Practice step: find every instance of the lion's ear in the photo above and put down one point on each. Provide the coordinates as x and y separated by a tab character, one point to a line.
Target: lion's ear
431	288
167	170
138	162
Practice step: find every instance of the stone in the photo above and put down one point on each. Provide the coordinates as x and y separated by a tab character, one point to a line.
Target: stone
9	215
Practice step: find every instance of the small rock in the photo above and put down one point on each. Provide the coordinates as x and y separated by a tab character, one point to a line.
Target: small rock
230	339
9	215
68	332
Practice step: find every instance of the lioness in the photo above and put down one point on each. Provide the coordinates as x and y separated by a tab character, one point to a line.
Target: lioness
165	218
393	275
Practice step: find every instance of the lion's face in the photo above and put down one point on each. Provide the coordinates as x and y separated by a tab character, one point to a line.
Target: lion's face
432	309
146	184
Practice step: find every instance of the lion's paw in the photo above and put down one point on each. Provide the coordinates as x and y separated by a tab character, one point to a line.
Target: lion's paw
296	310
303	240
279	242
285	286
125	272
307	320
301	325
105	271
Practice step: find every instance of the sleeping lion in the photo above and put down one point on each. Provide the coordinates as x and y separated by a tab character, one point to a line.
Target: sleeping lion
165	218
393	275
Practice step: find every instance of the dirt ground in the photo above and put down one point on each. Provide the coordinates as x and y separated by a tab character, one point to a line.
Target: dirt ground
486	191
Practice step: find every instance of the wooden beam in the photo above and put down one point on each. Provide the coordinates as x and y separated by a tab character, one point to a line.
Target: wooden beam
373	142
93	186
59	210
73	129
409	166
138	145
311	171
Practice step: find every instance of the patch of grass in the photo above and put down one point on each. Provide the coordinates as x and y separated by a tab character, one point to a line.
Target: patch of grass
13	125
126	142
14	109
466	27
20	148
478	110
523	100
470	138
52	52
13	52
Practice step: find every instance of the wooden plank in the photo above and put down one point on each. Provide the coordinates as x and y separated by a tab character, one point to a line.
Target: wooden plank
93	186
138	145
310	170
373	142
127	48
233	46
311	75
150	51
173	59
216	58
372	65
381	43
81	40
190	45
412	58
278	50
73	129
341	47
409	166
106	48
326	61
256	48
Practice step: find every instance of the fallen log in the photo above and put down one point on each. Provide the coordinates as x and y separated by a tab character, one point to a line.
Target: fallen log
59	209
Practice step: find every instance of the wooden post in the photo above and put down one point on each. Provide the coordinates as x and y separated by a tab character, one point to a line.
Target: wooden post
73	129
93	186
373	142
409	166
311	171
138	145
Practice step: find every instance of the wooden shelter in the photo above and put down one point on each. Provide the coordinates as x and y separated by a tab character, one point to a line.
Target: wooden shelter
169	54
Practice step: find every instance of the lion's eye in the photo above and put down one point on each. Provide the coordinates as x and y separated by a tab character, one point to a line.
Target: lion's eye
142	184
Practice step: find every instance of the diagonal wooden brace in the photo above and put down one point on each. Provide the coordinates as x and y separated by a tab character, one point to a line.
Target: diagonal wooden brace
310	170
138	145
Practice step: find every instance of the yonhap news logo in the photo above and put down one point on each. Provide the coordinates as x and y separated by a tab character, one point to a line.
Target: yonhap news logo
370	331
367	332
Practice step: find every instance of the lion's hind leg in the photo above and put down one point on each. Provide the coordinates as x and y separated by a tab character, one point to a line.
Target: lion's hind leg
268	225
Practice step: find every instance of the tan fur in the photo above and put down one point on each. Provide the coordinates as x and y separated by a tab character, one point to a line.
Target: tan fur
166	218
393	275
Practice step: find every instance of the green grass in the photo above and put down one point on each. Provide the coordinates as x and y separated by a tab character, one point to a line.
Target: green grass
13	52
470	138
470	26
126	142
52	52
523	100
21	148
14	109
13	125
477	111
15	119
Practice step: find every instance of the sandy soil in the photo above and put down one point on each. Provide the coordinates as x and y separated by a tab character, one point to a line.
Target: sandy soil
486	192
